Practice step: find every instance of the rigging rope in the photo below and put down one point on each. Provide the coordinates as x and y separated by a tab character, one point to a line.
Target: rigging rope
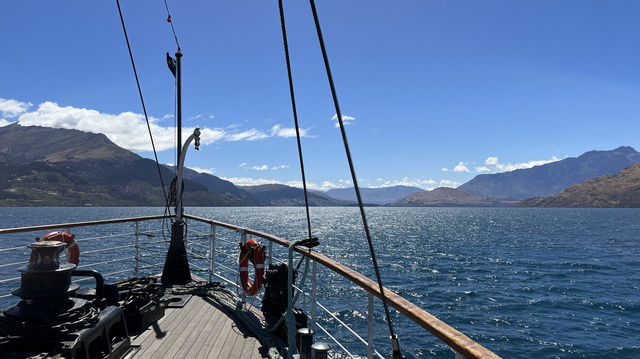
171	23
394	339
295	113
144	108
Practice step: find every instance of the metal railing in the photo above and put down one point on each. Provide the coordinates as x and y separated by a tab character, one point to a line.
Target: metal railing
212	248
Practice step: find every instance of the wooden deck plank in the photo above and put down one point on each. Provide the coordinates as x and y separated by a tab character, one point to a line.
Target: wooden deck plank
183	343
168	324
149	336
228	343
213	319
218	346
195	343
175	329
248	348
212	335
199	330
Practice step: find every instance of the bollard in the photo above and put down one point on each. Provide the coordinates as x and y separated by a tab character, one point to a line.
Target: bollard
320	350
304	340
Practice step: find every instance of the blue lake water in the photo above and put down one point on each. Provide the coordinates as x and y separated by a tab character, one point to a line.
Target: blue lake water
525	283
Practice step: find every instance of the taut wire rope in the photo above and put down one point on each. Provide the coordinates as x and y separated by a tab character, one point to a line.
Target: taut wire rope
295	113
394	339
170	21
144	108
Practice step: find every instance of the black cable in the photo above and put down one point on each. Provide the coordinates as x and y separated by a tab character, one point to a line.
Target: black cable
396	349
144	108
295	112
171	22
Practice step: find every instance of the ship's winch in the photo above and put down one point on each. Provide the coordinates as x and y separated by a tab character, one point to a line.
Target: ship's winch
49	321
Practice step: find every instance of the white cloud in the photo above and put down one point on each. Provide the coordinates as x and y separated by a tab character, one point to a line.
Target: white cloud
448	183
262	167
287	132
203	170
461	167
427	184
249	135
444	169
127	129
346	120
248	181
12	108
493	164
4	122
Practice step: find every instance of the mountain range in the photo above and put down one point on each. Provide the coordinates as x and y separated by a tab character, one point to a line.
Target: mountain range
381	196
59	167
450	197
545	180
617	190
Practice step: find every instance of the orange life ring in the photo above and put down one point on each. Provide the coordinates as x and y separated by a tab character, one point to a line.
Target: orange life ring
73	251
250	246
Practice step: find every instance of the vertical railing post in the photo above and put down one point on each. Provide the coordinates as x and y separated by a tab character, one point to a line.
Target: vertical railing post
243	240
212	251
137	269
269	257
370	326
314	294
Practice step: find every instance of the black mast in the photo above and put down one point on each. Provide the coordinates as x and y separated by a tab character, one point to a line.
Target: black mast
179	103
176	265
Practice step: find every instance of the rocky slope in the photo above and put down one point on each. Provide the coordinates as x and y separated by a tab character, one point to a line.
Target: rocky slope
449	197
553	177
617	190
281	195
56	167
383	195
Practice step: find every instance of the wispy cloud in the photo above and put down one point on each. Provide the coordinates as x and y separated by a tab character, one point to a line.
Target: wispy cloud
261	167
444	169
346	120
250	181
406	181
279	131
4	122
249	135
127	129
203	170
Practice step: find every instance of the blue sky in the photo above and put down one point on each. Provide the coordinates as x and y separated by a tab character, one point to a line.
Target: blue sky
436	91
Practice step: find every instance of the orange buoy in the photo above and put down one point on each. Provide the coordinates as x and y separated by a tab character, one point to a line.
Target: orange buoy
251	246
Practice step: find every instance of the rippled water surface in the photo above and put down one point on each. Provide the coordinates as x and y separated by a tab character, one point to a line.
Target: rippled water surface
525	283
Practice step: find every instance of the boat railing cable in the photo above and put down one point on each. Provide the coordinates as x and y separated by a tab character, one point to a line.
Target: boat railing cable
394	338
144	108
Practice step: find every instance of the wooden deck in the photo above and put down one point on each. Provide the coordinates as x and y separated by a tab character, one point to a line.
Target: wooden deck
199	330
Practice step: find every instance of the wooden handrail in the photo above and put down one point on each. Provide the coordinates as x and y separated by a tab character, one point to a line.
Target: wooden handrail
449	335
78	224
